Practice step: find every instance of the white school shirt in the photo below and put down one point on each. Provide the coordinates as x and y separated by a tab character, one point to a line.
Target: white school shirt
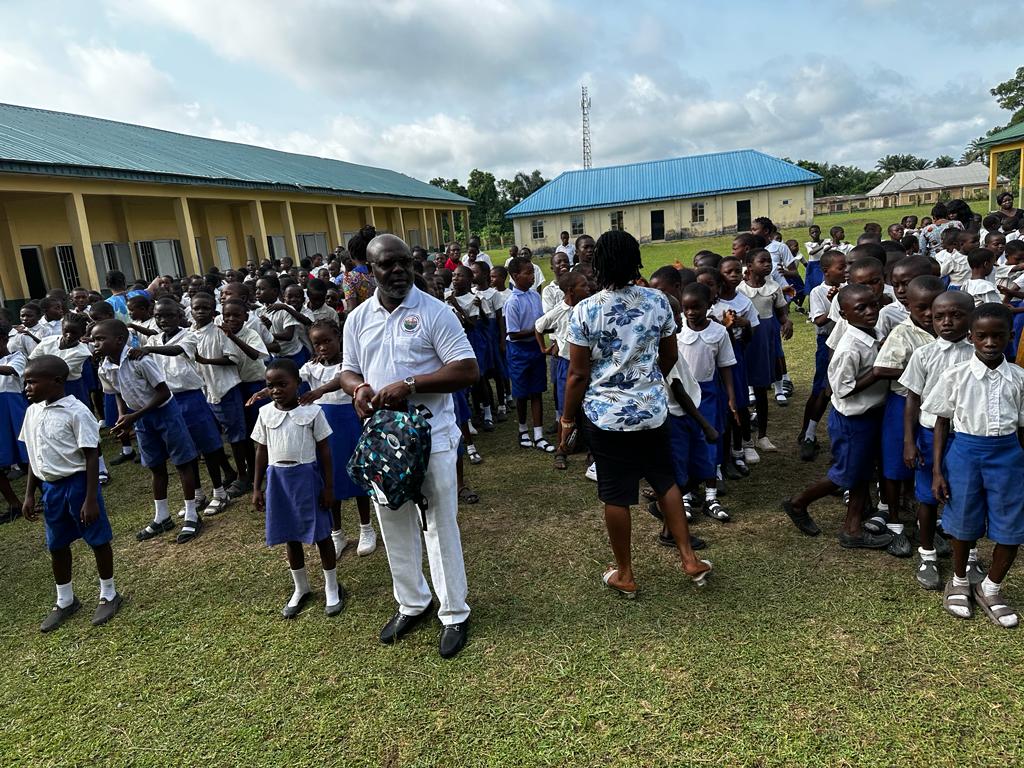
134	380
210	342
418	337
843	246
280	321
248	369
979	400
815	255
500	298
889	316
255	324
488	305
705	351
318	374
323	313
899	314
741	305
290	436
18	341
556	323
55	435
1007	274
551	296
569	250
781	257
681	372
899	345
982	291
854	357
181	371
481	256
74	356
140	338
766	299
538	275
818	305
954	266
17	361
467	303
927	364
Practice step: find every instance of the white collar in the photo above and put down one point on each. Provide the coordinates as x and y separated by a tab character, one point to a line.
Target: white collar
945	344
110	365
64	402
412	299
980	370
863	338
303	415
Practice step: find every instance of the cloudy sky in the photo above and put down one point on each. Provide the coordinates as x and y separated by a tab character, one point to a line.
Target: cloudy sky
438	87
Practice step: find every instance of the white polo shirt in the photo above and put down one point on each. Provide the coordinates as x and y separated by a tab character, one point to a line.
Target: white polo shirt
419	337
180	370
898	348
134	380
210	342
55	434
927	364
74	356
855	356
980	401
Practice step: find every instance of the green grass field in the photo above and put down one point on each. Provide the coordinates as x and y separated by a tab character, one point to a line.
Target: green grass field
797	653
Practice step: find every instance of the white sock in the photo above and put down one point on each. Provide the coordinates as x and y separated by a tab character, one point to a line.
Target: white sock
487	413
785	377
989	587
331	586
972	556
190	511
895	528
711	494
126	450
960	581
778	387
107	591
812	428
103	466
883	508
523	427
162	513
367	527
737	454
338	536
65	595
301	586
688	497
927	554
538	433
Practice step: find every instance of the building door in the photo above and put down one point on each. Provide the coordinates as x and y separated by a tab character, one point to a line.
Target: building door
657	225
30	260
742	215
223	254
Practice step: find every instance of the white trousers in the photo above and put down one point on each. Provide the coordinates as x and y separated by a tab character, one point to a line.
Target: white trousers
403	539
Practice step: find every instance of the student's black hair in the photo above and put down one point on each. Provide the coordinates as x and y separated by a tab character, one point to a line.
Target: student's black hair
569	279
140	298
285	364
1014	246
581	237
48	301
326	325
686	276
852	289
100	307
960	211
516	265
766	224
829	256
729	258
992	309
873	225
316	285
989	236
713	259
204	295
949	237
715	274
79	321
499	269
668	275
272	281
979	256
234	303
962	298
916	266
116	281
5	327
555	254
751	255
863	250
34	306
992	221
926	284
50	365
114	326
751	240
940	211
359	241
697	291
563	232
306	263
835	228
867	262
909	243
617	261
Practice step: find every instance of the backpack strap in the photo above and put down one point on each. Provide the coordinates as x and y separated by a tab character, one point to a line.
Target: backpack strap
421	506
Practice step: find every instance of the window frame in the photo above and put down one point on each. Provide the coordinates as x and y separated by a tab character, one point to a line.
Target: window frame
698	213
577	221
537	229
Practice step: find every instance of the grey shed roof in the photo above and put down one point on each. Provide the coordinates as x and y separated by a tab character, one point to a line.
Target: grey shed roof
61	144
933	178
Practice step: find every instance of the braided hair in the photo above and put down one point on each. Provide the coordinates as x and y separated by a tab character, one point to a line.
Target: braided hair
617	259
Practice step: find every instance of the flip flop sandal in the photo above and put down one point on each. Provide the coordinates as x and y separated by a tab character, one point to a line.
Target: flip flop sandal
104	478
875	524
957	597
544	445
629	594
994	606
189	530
561	462
469	496
654	511
716	511
649	494
152	530
701	579
216	506
524	440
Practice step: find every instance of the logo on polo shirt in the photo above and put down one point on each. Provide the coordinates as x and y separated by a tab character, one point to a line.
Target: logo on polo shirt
411	323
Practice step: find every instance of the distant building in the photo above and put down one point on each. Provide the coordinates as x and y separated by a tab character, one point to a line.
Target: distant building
840	204
80	196
967	182
668	199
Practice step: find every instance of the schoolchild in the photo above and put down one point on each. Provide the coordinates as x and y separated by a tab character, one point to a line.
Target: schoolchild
525	360
12	413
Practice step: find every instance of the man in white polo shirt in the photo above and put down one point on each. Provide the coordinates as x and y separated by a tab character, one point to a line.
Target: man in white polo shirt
404	346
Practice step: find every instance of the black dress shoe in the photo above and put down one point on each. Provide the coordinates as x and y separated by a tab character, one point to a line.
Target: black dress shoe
122	458
401	625
803	521
453	639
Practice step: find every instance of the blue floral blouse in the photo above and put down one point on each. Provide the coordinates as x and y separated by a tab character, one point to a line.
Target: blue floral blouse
623	329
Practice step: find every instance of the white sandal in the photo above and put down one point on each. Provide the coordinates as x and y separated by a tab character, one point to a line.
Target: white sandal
543	445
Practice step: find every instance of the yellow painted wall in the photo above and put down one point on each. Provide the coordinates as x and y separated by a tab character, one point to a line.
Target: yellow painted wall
310	218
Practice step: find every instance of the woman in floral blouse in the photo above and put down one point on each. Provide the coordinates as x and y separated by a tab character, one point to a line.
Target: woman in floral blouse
358	284
622	344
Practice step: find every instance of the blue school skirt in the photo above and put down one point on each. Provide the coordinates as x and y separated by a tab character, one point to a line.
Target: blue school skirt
713	404
759	358
500	363
293	505
560	374
986	496
925	441
526	368
162	435
813	276
739	380
92	381
199	419
481	346
346	429
854	446
798	285
691	457
62	509
1018	328
463	413
12	414
893	467
821	356
230	415
80	389
110	413
777	352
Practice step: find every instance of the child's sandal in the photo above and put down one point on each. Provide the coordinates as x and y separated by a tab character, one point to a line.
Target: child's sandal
152	530
474	455
957	597
216	506
994	607
875	524
561	461
524	440
469	496
189	530
544	445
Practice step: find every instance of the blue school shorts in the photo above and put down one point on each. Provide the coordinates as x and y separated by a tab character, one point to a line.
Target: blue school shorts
893	467
713	406
463	413
986	495
925	441
855	442
110	413
560	374
739	380
200	421
821	355
62	508
813	276
230	414
691	454
526	368
12	415
162	435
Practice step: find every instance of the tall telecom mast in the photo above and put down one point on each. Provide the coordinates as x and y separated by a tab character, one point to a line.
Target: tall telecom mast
585	108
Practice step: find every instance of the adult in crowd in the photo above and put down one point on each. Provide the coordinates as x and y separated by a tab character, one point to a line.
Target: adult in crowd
1005	209
403	347
358	285
930	236
622	343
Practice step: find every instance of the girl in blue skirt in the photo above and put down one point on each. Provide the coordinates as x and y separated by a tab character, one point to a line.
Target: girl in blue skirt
12	413
322	374
469	308
293	455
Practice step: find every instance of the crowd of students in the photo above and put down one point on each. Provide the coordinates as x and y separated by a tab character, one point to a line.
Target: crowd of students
916	342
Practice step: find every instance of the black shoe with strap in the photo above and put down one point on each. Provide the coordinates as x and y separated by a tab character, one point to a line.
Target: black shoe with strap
401	625
803	521
453	639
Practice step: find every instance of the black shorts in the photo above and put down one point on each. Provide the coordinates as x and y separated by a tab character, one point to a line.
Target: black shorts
624	458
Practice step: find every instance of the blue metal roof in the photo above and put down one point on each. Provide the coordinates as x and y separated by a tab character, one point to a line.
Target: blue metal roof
57	143
694	176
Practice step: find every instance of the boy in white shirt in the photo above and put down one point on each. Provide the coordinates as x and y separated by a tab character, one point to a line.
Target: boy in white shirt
981	287
978	477
62	439
854	424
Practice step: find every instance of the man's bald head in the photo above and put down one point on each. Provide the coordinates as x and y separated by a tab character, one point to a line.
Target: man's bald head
386	243
391	261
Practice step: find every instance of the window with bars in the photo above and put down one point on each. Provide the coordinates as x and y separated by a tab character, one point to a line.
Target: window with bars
147	259
615	220
68	267
576	227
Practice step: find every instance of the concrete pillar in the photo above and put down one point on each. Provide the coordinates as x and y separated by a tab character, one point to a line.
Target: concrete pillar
401	222
424	235
368	215
12	273
291	242
81	240
187	236
333	227
259	230
993	178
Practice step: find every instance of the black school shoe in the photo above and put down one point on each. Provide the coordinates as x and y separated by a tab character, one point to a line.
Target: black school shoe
453	639
864	540
122	458
401	625
809	449
13	513
802	520
668	540
58	616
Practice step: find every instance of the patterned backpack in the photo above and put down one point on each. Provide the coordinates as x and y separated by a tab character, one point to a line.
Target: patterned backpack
390	459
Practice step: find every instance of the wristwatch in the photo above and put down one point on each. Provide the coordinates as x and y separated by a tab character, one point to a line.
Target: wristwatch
411	383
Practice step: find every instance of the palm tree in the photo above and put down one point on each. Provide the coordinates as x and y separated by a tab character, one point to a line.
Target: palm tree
895	163
943	161
974	152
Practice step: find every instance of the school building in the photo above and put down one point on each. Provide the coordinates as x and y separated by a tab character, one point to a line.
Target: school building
963	182
668	199
80	196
